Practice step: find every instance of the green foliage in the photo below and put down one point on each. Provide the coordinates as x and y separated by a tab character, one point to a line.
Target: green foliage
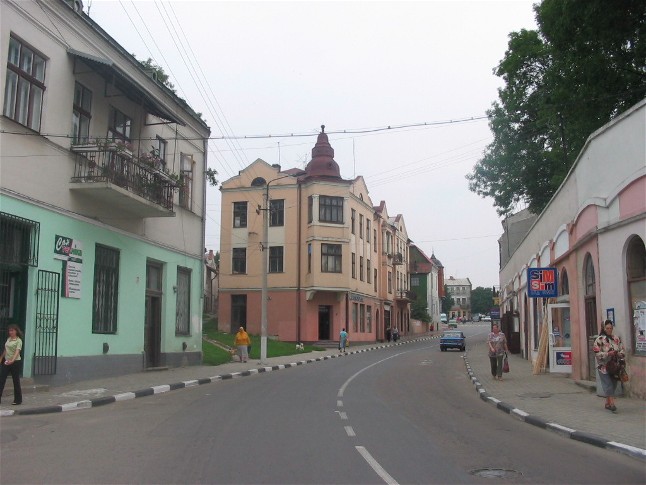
418	311
585	65
481	300
162	77
210	174
447	301
212	355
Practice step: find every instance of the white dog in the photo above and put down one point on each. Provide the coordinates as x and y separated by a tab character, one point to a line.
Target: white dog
299	346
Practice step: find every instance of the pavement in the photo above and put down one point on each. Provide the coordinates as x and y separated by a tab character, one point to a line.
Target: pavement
551	402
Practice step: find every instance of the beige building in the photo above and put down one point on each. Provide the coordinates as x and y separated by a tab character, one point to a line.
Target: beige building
460	290
331	255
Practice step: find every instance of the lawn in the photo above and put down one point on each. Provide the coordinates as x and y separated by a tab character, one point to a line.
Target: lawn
213	355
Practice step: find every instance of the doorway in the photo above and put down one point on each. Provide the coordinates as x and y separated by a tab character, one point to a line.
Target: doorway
153	316
325	321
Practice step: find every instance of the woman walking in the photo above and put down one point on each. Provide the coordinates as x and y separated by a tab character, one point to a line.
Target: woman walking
243	342
11	363
497	347
343	340
607	347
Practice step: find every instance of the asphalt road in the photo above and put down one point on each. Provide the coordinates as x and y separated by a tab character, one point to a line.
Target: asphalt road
405	414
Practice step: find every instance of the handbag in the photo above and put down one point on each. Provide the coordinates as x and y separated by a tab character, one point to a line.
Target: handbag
505	364
614	366
623	375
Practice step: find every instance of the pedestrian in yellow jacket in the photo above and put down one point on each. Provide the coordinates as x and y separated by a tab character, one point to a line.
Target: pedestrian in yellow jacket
243	342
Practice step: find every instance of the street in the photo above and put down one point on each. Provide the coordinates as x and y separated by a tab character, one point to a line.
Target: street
397	415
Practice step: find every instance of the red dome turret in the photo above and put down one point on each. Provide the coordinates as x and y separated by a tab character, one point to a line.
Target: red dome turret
322	163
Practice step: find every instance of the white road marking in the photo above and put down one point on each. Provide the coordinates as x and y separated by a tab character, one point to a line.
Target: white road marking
345	384
343	415
339	404
383	474
349	431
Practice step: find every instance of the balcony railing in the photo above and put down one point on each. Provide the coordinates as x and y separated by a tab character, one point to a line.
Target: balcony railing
118	167
406	295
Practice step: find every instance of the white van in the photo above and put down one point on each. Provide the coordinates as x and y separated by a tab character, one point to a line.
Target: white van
443	318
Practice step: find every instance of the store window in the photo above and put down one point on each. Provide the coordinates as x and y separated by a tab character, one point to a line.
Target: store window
636	273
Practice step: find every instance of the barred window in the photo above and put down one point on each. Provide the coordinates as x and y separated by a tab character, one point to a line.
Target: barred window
183	305
276	259
25	85
331	258
331	209
106	290
239	260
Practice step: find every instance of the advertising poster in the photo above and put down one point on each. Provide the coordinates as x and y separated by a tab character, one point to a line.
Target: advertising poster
70	252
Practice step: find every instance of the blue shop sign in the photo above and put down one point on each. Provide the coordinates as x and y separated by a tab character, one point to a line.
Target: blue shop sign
541	283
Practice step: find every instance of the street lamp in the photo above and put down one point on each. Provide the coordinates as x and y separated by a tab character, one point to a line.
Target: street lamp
265	268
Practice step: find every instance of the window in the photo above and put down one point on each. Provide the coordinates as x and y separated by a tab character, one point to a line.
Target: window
331	209
390	282
276	259
374	238
25	85
239	214
564	283
375	279
186	180
368	272
106	290
636	275
331	258
353	216
355	315
590	284
183	305
119	125
367	230
368	318
81	114
160	149
354	266
361	268
277	212
239	260
310	209
362	318
309	258
360	226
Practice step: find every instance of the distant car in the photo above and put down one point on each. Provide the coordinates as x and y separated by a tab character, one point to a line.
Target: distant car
453	339
486	318
453	323
476	317
443	318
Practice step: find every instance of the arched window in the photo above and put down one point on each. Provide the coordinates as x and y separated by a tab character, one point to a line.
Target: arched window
589	277
636	275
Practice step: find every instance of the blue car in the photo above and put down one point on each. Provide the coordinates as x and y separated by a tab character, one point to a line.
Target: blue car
453	339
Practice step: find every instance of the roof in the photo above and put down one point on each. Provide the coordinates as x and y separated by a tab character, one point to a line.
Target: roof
457	281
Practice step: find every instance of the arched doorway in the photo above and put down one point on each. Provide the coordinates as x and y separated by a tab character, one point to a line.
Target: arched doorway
636	276
590	300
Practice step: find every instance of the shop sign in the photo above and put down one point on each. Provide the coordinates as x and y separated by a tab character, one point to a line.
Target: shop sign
564	358
70	252
355	297
67	249
542	283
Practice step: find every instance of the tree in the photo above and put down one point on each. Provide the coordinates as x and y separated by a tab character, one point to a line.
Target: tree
584	65
418	311
481	300
447	301
162	77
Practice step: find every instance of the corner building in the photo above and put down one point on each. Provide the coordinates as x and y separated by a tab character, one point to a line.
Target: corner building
326	261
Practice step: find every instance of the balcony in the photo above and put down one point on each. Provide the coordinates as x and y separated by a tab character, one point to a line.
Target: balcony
405	295
111	176
398	258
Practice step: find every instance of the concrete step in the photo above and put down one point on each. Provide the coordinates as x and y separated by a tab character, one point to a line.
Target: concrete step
156	369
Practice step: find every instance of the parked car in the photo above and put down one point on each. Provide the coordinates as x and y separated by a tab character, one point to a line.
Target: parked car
453	323
453	339
486	318
476	317
443	318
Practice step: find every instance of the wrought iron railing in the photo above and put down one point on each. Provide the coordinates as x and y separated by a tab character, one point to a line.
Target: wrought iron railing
406	295
120	168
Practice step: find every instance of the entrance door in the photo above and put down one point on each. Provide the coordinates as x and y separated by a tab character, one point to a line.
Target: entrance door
13	299
153	317
560	339
591	332
325	320
238	312
46	338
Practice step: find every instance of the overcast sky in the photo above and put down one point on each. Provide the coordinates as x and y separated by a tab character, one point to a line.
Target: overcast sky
268	68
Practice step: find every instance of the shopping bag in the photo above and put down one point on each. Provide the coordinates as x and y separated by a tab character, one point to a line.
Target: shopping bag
505	364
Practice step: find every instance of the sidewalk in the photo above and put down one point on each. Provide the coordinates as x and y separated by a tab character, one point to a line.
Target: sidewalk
555	402
549	401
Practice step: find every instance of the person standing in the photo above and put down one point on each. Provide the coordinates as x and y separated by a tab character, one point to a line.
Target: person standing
606	347
242	341
343	340
497	347
11	363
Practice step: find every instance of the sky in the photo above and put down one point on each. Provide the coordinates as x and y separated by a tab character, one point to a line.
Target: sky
272	68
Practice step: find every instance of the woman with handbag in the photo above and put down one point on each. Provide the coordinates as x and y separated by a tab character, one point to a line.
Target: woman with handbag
497	343
607	349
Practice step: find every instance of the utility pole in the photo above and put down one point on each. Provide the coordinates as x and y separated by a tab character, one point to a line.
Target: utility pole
265	267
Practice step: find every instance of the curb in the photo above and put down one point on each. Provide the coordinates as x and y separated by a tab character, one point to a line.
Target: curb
150	391
539	422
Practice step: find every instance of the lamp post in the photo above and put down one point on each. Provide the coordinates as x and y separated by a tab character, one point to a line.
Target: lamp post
265	268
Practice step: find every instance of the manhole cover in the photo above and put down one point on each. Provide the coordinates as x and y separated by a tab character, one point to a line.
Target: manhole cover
536	395
495	473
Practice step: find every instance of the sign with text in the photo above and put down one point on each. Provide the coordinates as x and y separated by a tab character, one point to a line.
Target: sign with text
70	252
67	249
541	283
564	358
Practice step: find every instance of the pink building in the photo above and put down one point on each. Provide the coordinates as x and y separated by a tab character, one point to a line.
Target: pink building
334	261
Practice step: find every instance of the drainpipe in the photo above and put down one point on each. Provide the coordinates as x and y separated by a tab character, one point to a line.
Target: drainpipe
298	264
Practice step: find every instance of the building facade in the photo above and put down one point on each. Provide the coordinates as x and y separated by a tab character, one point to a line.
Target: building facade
328	265
426	273
102	201
592	233
460	290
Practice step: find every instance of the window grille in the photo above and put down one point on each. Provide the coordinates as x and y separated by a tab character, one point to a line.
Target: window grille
19	239
106	290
